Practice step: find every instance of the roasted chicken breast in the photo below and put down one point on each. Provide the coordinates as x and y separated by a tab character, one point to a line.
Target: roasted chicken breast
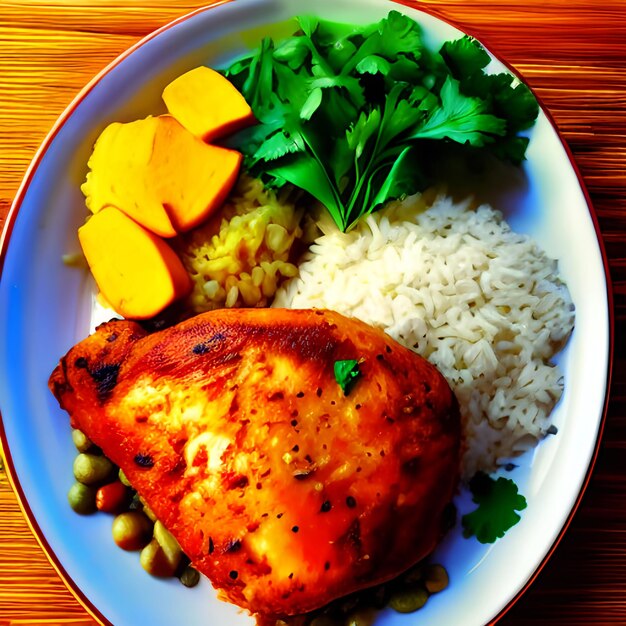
286	492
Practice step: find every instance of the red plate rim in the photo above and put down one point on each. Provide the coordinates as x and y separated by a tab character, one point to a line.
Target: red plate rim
72	586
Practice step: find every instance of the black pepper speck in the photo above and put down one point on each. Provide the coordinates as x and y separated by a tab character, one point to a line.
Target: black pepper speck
105	378
350	502
233	546
144	460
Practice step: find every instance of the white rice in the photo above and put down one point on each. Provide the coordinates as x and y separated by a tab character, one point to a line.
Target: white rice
484	304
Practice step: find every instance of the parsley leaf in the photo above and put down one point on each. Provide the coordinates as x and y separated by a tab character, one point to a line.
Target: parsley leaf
347	372
498	500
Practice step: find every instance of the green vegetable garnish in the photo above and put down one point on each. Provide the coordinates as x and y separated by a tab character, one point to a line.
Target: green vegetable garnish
497	502
346	374
350	113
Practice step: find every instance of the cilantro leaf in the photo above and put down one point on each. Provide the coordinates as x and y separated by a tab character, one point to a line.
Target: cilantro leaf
460	118
311	104
359	135
278	145
305	171
346	374
502	94
396	34
405	70
498	500
401	179
464	57
293	52
514	103
373	64
345	112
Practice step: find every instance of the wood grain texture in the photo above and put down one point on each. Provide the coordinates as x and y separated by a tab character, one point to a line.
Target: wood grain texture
572	52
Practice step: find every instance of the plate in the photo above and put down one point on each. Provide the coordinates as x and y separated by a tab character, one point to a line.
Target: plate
45	307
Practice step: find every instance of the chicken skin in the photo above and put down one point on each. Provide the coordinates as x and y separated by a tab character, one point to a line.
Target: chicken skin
280	487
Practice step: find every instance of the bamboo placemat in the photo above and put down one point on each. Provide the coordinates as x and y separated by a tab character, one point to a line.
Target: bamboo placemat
572	52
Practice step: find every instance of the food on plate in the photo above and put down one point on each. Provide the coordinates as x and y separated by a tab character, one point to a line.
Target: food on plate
296	456
159	174
112	497
348	114
207	104
354	114
498	502
234	429
136	271
454	283
242	256
131	530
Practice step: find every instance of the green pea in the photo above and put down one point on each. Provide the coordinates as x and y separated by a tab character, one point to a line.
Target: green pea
364	617
148	511
131	530
123	478
169	545
81	441
190	577
436	578
154	560
82	498
408	600
90	469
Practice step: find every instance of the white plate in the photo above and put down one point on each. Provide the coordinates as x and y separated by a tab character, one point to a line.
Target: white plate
46	307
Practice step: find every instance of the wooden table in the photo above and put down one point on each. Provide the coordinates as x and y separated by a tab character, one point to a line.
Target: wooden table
573	52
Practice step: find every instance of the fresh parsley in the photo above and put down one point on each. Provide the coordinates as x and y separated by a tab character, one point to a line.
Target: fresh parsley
498	500
349	113
347	372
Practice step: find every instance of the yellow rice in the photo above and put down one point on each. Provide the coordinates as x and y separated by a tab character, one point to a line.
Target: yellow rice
241	257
